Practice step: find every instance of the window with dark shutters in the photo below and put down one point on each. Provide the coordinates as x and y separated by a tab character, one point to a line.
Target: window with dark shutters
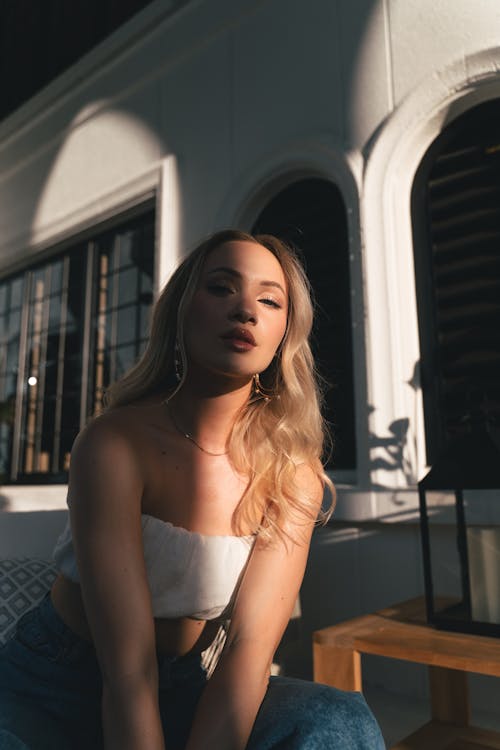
456	221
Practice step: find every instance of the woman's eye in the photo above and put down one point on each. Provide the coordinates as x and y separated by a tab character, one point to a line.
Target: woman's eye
271	302
220	289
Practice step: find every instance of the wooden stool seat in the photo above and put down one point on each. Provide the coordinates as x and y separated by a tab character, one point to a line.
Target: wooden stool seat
401	632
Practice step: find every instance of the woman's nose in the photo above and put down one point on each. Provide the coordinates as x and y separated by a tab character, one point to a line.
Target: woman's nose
244	312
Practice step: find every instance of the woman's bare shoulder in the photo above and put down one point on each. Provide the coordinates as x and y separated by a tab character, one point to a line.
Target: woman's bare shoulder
116	432
106	463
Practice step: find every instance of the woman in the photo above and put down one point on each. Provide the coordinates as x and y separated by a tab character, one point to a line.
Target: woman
192	500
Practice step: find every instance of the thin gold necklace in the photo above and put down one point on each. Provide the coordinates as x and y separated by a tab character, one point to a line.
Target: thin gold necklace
187	435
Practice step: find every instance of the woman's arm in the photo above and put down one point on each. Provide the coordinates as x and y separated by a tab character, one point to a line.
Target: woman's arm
232	697
105	493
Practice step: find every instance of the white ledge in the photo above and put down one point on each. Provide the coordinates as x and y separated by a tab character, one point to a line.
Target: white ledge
385	505
28	498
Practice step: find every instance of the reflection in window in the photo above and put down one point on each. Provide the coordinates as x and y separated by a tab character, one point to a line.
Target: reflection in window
67	329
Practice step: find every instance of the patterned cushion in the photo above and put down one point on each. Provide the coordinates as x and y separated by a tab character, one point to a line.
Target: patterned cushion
23	583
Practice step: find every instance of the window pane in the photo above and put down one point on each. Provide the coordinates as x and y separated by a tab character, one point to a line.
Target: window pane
145	320
126	247
46	344
127	286
126	324
54	313
12	360
124	274
56	276
147	285
16	293
125	358
14	323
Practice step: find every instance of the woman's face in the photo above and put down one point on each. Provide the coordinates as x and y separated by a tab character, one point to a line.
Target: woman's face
238	315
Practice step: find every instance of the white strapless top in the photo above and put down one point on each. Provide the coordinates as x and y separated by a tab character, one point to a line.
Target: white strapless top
189	574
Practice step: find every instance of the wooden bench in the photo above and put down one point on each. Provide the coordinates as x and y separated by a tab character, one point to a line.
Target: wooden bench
401	632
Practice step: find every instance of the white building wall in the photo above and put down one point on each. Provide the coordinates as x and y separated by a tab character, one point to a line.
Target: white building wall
212	106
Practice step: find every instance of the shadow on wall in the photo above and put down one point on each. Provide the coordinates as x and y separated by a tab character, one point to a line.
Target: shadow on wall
393	449
397	451
133	105
349	573
105	136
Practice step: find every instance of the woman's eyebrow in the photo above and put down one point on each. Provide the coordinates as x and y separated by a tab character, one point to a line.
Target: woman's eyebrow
237	274
274	284
225	269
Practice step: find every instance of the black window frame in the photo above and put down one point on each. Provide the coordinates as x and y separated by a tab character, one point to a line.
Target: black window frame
69	343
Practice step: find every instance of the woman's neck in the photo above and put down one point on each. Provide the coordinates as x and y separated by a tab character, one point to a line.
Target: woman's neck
208	414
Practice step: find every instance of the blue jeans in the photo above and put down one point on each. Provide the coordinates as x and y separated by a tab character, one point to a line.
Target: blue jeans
50	696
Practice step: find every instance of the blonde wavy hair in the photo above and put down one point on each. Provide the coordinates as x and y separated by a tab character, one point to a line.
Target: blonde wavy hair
270	438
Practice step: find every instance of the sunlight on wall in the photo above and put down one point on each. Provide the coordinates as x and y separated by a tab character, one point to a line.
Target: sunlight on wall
170	237
101	151
370	86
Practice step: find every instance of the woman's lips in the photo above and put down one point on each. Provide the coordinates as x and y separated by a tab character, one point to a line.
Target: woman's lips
239	340
238	345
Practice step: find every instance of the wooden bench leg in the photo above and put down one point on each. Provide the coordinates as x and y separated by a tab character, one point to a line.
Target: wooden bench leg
338	667
449	696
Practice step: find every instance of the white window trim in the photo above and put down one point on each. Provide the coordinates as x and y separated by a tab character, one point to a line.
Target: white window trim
390	295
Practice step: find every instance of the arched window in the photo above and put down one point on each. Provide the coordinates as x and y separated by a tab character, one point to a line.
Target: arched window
310	214
456	224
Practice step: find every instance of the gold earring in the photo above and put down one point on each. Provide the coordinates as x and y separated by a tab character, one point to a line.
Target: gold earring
259	389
